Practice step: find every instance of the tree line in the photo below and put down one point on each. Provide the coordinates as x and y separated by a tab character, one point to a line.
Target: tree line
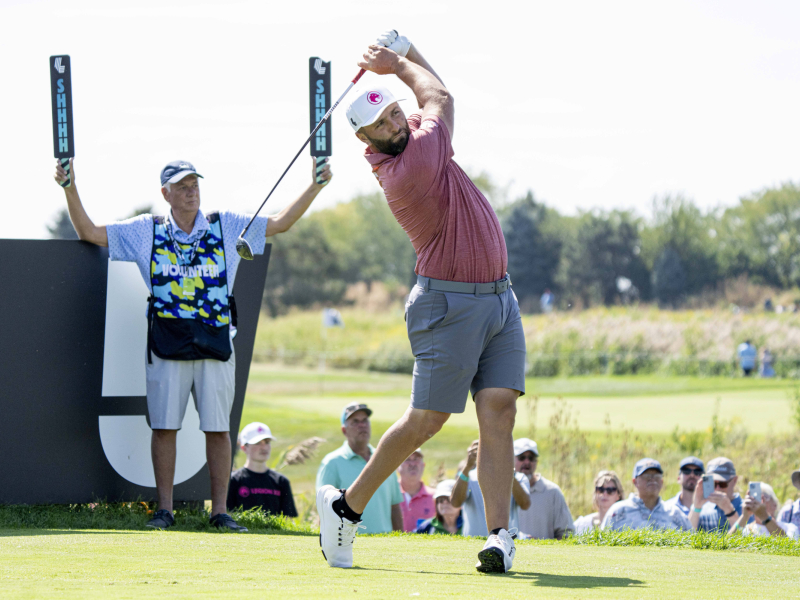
596	257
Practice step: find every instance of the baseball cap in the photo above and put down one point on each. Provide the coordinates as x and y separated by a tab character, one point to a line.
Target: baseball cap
796	479
444	488
694	461
255	432
368	104
645	464
721	468
354	407
177	170
525	445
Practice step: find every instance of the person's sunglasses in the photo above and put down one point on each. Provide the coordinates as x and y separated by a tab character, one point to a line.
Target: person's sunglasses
605	490
721	484
687	471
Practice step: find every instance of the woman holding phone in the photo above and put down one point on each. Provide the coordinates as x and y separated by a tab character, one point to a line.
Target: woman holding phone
764	511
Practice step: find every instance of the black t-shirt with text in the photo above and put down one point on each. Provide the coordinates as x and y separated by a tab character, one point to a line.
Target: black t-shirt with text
270	491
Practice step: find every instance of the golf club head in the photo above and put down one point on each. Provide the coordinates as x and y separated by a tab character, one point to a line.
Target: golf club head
243	249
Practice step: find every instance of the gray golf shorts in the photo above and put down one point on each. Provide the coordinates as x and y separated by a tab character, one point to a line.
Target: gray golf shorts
462	343
211	383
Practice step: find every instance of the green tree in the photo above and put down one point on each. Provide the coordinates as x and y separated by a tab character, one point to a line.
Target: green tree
61	228
669	278
534	253
679	224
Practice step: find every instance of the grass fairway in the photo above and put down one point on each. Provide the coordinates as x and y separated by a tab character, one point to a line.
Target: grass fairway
135	564
646	404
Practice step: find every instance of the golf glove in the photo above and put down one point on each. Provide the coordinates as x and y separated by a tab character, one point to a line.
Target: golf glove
395	42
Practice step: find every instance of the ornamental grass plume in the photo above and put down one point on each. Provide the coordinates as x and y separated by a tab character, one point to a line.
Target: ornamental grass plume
299	454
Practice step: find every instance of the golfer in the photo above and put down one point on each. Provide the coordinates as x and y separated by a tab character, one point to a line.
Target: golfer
462	317
188	261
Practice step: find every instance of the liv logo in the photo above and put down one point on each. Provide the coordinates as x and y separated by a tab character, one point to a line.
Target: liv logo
58	66
318	67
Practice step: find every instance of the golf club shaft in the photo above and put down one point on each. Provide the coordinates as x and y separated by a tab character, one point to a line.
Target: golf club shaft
313	133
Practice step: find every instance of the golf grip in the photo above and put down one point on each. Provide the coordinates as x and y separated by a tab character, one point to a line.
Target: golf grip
313	133
65	166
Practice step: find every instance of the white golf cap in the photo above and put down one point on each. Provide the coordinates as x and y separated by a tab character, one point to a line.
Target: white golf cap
525	445
368	104
444	488
254	433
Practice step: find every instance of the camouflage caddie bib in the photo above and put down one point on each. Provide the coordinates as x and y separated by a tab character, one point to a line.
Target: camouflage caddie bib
189	309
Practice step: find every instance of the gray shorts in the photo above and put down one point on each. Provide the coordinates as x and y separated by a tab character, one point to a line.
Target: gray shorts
462	343
211	383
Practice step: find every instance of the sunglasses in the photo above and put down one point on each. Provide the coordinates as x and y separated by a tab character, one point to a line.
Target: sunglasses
605	490
721	484
687	471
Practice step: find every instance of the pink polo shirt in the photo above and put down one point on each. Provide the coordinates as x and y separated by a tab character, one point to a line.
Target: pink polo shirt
451	225
418	506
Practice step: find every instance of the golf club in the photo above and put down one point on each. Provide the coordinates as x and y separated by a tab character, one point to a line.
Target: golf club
242	246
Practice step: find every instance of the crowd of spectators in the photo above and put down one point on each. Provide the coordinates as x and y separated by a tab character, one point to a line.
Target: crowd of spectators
538	507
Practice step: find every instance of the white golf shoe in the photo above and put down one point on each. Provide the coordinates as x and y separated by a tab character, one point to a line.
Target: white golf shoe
498	553
336	534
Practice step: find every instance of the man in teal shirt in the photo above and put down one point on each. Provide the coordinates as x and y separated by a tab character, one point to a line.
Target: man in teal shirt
341	467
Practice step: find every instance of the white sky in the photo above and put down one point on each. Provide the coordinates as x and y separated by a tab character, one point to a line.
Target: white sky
589	104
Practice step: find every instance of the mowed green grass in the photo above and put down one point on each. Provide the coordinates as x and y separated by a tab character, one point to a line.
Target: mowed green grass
134	564
646	404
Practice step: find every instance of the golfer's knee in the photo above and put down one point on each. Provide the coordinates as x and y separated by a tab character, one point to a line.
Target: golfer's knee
427	423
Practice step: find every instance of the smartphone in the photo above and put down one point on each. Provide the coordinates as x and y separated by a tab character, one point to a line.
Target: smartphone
708	485
755	490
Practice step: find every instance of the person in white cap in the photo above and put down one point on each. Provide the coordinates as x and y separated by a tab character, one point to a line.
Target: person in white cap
547	517
448	518
463	320
255	485
763	520
790	513
188	261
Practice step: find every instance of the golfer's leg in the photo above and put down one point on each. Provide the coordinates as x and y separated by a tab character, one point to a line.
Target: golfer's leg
412	430
218	455
162	449
496	409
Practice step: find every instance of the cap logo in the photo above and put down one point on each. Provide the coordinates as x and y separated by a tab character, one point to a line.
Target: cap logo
353	121
183	166
374	98
260	430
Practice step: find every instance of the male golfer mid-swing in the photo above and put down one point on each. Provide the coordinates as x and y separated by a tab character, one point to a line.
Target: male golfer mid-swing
462	317
188	261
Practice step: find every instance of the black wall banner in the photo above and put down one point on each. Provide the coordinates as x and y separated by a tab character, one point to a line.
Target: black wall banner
72	386
319	100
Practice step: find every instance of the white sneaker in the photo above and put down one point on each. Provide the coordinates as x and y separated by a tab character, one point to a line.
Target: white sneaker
336	533
498	553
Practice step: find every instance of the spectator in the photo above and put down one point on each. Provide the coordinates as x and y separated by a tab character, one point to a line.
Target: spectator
690	471
548	516
418	501
546	301
766	369
342	467
764	513
645	509
448	518
791	512
607	492
747	357
723	507
467	493
255	485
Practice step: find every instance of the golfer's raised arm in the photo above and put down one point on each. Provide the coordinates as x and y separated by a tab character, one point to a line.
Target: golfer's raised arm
84	226
432	97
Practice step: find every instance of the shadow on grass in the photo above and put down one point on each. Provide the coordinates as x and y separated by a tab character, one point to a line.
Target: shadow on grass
578	581
538	579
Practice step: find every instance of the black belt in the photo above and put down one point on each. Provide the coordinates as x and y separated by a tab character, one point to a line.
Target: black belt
440	285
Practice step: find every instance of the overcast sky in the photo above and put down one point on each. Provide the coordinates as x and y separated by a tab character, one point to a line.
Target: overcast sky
588	104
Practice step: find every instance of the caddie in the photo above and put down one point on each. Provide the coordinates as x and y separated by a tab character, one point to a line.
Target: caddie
188	261
462	318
